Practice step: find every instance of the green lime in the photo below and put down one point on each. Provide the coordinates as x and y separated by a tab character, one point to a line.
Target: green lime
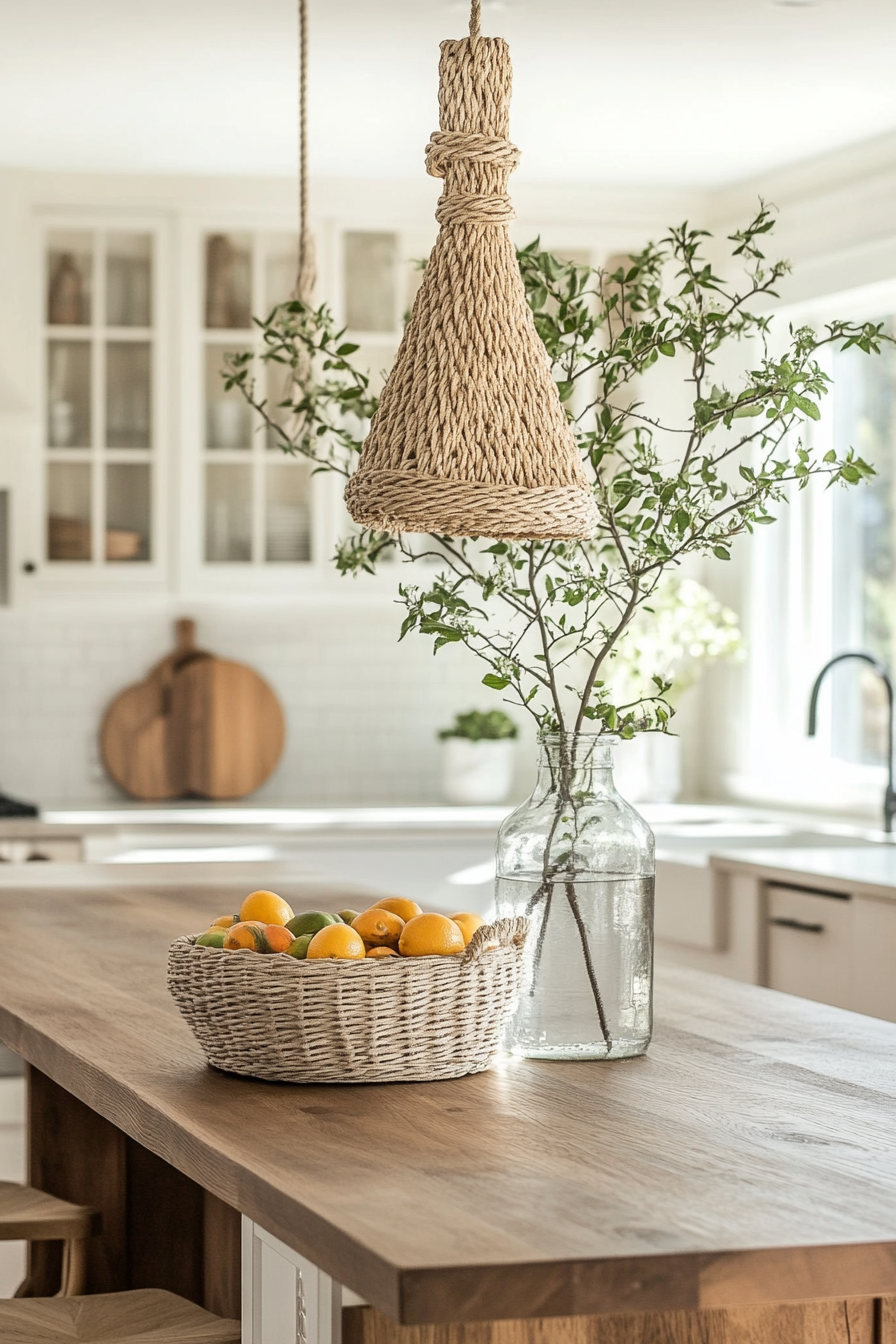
299	948
213	938
310	921
348	916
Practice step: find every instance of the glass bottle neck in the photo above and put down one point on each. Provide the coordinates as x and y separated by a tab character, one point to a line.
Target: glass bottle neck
576	764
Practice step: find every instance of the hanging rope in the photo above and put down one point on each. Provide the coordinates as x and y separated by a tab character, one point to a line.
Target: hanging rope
307	269
470	438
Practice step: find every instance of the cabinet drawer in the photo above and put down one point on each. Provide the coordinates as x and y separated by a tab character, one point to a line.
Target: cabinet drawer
686	907
810	939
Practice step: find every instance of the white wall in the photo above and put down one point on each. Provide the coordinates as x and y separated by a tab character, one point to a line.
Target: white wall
362	713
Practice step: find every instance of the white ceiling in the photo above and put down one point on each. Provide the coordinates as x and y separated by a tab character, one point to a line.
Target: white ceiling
653	92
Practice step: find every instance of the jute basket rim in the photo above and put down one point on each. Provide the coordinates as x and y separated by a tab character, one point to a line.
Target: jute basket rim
489	937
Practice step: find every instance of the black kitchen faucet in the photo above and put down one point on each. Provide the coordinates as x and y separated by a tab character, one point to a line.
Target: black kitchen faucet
876	666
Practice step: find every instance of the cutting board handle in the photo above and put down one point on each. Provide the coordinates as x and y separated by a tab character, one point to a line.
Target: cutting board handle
185	633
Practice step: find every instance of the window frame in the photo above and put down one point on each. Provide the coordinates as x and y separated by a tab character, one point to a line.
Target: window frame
789	621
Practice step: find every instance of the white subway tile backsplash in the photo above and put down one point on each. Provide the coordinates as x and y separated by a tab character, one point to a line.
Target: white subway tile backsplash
362	710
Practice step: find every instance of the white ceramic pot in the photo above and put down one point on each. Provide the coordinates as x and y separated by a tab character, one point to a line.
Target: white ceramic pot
477	772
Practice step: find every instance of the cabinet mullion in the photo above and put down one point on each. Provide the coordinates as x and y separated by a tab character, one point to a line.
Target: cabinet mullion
98	402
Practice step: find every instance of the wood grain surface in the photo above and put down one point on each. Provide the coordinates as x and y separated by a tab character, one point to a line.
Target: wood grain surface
33	1215
798	1323
121	1318
195	726
748	1158
156	1227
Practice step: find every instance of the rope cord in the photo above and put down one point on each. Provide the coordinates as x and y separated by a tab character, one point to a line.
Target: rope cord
307	269
303	130
475	18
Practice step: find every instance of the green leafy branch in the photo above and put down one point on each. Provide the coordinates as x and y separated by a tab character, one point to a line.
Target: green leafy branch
546	618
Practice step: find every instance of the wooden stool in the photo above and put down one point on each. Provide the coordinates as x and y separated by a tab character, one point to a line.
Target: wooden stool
31	1215
146	1314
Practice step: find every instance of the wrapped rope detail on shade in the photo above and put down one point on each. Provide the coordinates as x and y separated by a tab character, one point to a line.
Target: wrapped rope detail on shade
470	438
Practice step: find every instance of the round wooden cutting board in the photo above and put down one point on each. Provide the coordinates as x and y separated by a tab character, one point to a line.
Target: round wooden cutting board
197	726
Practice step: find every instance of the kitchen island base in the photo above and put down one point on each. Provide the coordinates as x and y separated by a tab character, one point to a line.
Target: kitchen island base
160	1229
834	1322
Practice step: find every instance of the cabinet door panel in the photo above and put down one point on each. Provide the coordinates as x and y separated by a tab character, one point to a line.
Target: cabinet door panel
810	945
874	960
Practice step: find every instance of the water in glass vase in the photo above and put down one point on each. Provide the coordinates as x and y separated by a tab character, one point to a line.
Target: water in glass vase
578	861
589	958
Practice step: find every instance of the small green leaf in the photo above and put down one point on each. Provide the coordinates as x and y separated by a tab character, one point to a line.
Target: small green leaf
494	682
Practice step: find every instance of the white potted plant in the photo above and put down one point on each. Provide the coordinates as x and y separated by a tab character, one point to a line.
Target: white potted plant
478	757
684	628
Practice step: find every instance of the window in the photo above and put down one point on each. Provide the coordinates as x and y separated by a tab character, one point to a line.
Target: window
821	582
864	537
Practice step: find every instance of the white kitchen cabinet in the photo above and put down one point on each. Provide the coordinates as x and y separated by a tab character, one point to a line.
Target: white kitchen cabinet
103	347
874	957
286	1298
143	471
810	945
834	942
708	920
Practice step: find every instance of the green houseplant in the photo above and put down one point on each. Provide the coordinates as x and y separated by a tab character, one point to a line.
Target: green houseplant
478	756
547	618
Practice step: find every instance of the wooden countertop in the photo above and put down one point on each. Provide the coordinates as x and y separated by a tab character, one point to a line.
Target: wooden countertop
751	1156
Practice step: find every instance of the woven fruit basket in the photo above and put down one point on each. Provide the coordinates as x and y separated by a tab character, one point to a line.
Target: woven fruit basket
398	1019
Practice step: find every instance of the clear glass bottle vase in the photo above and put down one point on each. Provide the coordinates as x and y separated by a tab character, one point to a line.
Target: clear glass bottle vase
578	860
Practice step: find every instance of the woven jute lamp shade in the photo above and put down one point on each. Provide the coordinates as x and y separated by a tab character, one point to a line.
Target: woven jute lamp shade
470	438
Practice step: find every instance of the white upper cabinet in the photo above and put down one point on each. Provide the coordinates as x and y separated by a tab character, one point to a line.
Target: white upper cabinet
102	440
257	506
139	470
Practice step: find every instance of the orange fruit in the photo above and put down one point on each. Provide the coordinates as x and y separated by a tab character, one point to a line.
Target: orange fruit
431	936
226	922
211	938
337	940
278	938
266	906
378	952
468	924
399	906
246	934
378	928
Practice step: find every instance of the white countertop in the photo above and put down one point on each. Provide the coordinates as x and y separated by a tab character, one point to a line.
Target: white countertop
870	868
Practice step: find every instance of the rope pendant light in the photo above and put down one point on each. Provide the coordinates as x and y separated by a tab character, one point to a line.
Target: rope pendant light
470	438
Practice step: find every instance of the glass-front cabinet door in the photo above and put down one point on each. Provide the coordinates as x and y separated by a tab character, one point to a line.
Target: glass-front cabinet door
257	500
150	465
100	391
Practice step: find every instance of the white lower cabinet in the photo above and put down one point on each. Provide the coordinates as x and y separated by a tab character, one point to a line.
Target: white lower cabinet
836	946
286	1298
838	949
810	945
874	958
